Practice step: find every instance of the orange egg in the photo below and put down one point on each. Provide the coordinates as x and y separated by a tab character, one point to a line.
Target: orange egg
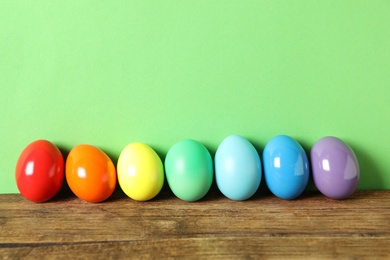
90	173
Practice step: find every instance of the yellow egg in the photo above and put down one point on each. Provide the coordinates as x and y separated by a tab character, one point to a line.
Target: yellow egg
140	172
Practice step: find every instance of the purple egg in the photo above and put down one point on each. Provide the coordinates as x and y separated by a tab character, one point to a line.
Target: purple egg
335	168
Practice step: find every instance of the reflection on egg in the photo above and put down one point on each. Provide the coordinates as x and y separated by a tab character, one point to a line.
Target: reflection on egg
286	167
189	170
237	168
335	168
140	172
90	173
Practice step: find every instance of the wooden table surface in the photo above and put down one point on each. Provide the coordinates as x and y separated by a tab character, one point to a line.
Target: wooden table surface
312	226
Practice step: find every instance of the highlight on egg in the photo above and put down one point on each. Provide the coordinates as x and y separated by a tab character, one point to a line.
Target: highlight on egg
237	168
140	172
335	168
286	167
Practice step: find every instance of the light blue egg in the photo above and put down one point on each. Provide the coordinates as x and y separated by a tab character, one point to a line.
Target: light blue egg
286	167
237	168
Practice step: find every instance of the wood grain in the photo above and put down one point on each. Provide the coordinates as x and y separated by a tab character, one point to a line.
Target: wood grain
312	226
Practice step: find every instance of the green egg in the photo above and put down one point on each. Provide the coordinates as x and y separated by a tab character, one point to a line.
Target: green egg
189	170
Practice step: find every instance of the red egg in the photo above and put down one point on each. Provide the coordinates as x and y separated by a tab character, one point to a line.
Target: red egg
39	171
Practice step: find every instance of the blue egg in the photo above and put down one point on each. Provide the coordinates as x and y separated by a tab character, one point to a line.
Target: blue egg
286	167
237	168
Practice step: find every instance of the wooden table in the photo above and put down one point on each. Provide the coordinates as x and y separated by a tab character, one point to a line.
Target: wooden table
312	226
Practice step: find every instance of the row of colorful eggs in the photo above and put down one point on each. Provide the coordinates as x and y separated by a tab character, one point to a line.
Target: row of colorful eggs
189	170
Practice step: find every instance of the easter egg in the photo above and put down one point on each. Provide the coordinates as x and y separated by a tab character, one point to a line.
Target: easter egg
140	172
90	173
39	171
335	168
189	170
237	168
286	167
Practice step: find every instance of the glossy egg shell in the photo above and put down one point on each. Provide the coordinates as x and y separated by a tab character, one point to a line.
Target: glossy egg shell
140	172
90	173
286	167
189	170
39	171
335	168
237	168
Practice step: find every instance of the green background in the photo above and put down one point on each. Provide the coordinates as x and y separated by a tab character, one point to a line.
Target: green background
108	73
